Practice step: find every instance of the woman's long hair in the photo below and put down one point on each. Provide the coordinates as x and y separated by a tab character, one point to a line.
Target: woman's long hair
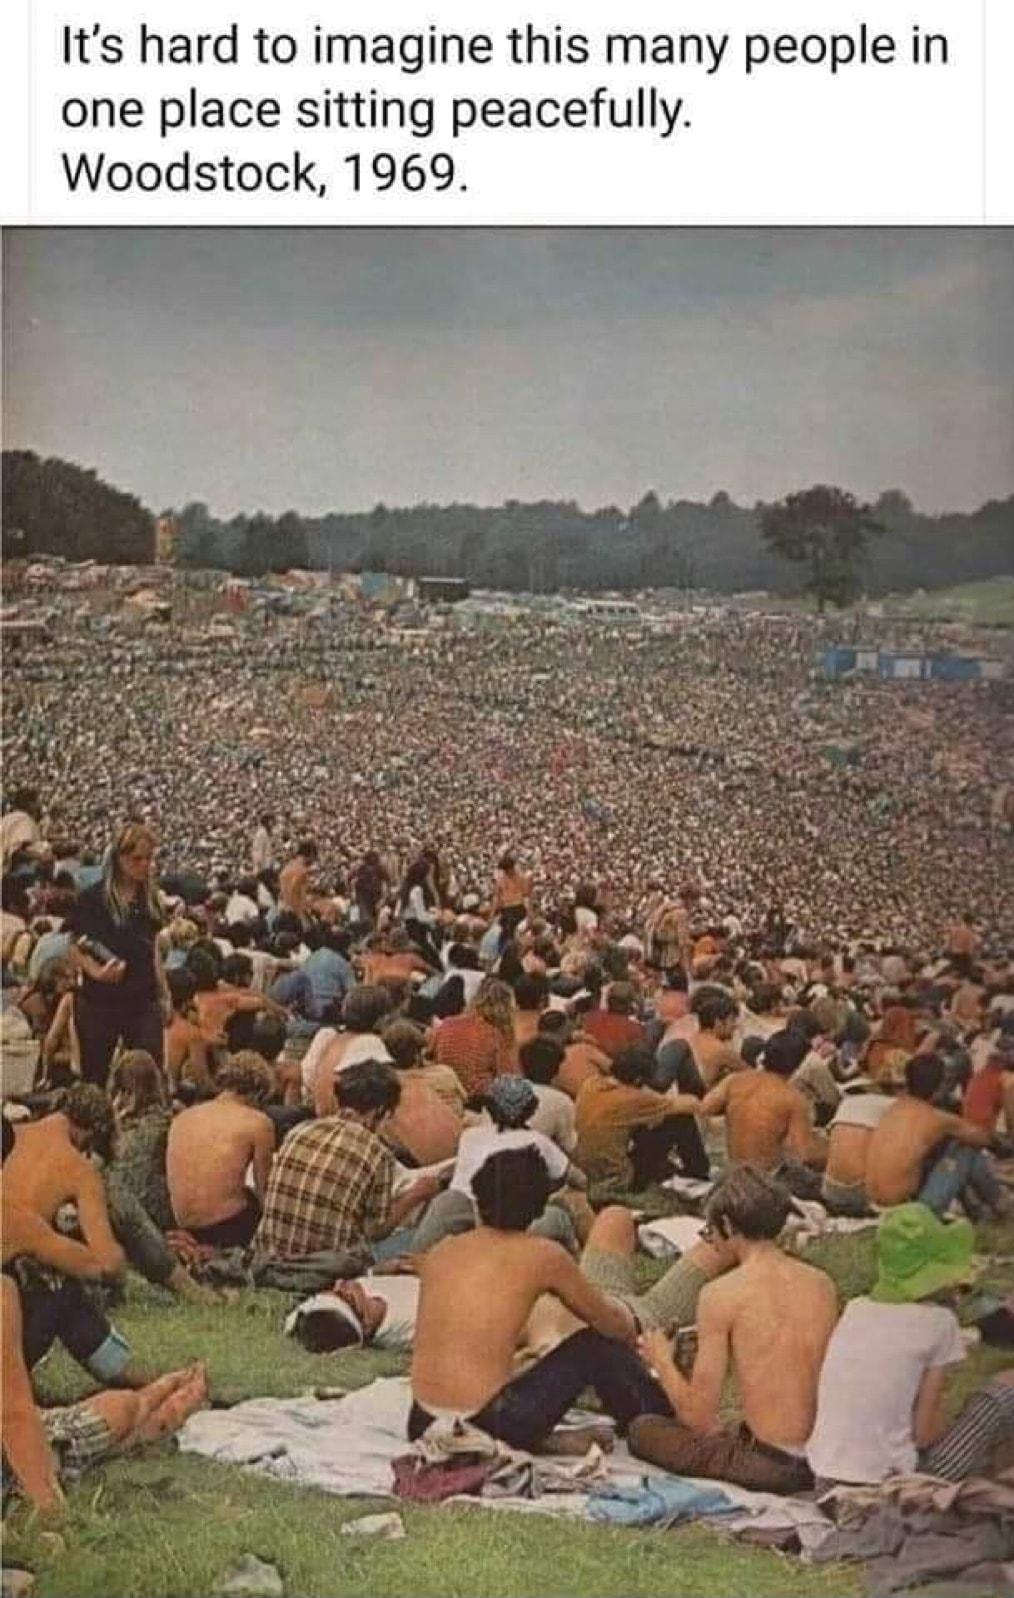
417	876
136	1085
120	895
494	1002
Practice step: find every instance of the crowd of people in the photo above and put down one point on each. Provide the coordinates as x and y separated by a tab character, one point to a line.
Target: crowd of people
402	1004
627	760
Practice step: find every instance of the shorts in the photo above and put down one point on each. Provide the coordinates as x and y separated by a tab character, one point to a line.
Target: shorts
668	1304
78	1436
844	1198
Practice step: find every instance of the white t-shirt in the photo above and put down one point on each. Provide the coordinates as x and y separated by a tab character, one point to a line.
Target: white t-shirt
396	1331
240	908
478	1142
862	1109
361	1046
554	1117
872	1372
401	1295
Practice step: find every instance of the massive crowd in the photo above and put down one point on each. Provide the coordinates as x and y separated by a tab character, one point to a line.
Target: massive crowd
627	761
425	957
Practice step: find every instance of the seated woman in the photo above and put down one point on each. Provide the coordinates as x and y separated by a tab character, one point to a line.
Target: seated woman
881	1400
143	1117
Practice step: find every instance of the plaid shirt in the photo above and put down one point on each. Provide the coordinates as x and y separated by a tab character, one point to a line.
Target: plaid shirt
330	1187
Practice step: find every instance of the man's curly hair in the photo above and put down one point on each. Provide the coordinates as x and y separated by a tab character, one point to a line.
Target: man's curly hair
248	1076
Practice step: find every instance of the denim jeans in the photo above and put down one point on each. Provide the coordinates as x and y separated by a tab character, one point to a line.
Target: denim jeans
957	1167
523	1413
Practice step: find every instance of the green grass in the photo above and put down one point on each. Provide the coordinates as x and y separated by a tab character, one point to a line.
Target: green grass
989	603
162	1523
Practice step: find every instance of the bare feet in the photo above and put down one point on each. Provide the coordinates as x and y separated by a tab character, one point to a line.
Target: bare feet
575	1441
189	1395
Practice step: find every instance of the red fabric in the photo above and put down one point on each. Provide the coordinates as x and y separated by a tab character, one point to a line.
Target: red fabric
424	1483
612	1032
984	1097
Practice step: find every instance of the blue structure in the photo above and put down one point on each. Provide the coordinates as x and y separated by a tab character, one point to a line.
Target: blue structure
893	665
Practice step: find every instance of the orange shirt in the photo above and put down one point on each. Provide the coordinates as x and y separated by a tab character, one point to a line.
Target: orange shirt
606	1113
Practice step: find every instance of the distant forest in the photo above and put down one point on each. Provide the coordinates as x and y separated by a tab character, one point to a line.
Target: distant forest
56	508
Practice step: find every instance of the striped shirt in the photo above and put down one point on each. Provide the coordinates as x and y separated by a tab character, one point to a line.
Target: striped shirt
330	1187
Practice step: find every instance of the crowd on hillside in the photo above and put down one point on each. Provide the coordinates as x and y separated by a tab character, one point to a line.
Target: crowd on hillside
396	1000
259	1080
859	808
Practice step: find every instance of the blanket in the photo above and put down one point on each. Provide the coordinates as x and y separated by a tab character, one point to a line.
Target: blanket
348	1446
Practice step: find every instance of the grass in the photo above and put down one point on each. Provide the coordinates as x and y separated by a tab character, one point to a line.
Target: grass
989	603
166	1525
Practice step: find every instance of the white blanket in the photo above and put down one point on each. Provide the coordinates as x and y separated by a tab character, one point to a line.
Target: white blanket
346	1447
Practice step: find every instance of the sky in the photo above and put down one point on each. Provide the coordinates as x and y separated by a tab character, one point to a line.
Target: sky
332	369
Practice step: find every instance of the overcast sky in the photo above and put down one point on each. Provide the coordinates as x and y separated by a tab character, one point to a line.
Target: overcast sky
326	369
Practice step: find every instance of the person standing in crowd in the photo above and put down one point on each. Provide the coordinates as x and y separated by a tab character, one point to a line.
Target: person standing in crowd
124	997
417	904
512	890
369	886
262	845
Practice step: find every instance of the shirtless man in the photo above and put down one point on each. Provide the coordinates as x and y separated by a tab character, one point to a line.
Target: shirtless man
210	1147
391	955
767	1120
47	1168
185	1046
772	1316
843	1189
476	1295
44	1168
581	1058
918	1151
294	881
712	1047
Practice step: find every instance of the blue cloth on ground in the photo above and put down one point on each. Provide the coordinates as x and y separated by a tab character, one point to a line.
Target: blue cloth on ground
658	1500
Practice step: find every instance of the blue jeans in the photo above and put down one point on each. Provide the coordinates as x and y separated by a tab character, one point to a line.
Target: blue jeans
957	1167
524	1412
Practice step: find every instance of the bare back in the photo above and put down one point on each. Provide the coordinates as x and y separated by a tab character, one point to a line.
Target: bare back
781	1316
209	1149
898	1147
476	1295
848	1150
761	1111
44	1170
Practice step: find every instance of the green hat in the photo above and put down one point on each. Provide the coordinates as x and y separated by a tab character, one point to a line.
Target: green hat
918	1254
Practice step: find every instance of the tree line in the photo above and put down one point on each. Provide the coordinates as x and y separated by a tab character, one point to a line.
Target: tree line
821	539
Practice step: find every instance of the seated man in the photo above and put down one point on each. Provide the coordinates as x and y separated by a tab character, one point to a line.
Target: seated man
768	1122
541	1059
332	1182
614	1028
39	1444
772	1316
581	1057
714	1053
843	1188
44	1168
885	1415
424	1125
209	1149
476	1295
921	1152
510	1105
625	1130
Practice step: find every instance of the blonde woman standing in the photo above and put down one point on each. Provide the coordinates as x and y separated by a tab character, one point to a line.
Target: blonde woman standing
123	997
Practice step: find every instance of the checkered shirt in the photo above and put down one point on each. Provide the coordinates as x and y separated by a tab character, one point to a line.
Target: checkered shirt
330	1187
